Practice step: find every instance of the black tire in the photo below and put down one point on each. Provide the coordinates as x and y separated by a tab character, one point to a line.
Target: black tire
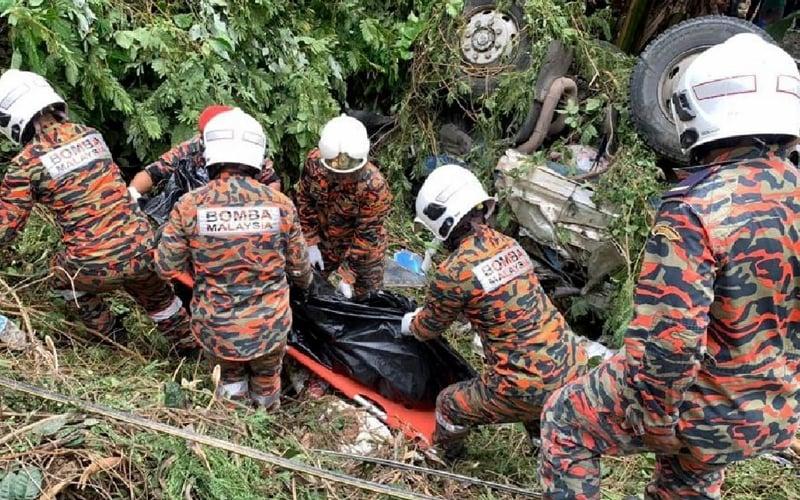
483	79
650	115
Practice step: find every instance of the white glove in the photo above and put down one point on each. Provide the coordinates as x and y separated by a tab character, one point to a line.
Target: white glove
346	289
315	257
428	260
405	325
135	194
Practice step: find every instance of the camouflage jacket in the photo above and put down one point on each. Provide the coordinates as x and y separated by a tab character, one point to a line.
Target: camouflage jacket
715	338
241	242
68	168
348	214
529	348
192	151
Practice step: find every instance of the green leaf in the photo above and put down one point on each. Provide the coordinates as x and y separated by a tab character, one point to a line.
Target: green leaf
16	60
51	426
183	21
5	4
35	3
593	104
71	72
454	7
220	47
124	39
25	484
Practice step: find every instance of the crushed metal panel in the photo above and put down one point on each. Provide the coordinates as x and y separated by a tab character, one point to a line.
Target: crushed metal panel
553	209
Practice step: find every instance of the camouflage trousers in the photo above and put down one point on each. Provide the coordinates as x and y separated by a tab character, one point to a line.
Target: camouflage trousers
366	275
471	403
80	288
258	379
586	419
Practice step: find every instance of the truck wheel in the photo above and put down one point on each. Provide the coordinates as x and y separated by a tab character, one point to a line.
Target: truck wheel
492	40
662	65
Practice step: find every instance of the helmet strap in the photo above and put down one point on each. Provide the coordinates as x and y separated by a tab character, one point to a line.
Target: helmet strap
49	115
465	227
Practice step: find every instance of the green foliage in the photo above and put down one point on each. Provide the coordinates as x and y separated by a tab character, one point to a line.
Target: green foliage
24	484
141	72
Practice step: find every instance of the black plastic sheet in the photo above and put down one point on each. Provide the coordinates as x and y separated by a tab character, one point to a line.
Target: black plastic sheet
363	342
185	178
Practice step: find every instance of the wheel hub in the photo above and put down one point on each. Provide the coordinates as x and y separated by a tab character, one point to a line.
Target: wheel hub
488	35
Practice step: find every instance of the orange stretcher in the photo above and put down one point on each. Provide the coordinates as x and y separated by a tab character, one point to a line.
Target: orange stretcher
417	425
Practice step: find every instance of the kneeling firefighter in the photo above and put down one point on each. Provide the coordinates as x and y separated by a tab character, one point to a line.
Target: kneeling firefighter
489	278
191	152
241	242
107	239
343	201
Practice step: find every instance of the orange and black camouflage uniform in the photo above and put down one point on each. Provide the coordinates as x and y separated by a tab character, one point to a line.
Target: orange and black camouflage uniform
710	365
192	151
241	241
530	351
108	240
344	215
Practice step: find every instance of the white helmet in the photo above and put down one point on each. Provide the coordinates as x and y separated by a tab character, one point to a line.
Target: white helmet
447	195
234	137
743	87
344	144
22	95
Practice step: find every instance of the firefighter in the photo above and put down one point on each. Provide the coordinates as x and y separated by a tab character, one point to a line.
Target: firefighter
343	201
489	279
190	151
107	240
708	375
241	242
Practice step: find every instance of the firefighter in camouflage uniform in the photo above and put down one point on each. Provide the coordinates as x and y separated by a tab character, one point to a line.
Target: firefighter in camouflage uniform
709	372
108	242
191	152
343	200
530	350
242	243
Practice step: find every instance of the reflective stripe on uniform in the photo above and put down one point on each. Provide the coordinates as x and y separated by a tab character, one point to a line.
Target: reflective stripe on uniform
169	312
448	426
234	389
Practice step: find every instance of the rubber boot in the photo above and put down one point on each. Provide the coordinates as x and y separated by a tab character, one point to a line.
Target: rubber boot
534	432
451	443
118	332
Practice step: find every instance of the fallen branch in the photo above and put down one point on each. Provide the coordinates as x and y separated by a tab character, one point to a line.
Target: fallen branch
246	451
433	472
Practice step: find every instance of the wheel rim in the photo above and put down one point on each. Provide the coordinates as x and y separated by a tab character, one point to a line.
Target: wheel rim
671	76
489	35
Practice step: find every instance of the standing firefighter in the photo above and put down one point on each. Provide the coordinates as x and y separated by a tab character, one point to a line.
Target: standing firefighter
240	240
489	279
709	373
108	242
343	200
191	152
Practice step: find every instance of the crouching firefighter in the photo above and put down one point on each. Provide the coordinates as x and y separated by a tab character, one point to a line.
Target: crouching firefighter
530	351
241	241
108	242
191	152
708	375
343	200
